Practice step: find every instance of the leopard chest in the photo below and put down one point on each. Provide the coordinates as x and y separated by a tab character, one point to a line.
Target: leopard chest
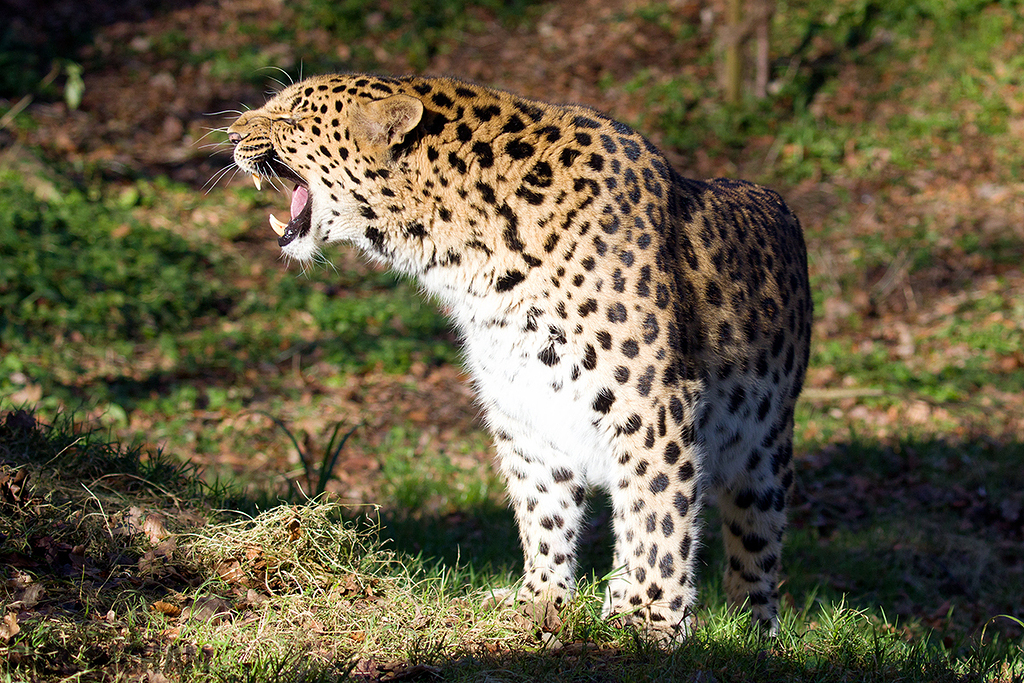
530	377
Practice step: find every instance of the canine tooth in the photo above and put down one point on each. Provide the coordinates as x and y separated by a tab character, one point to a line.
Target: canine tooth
277	225
256	181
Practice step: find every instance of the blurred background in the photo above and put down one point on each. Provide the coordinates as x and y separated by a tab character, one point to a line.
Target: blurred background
141	286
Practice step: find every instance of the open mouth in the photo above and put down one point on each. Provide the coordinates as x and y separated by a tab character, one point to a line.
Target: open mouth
301	213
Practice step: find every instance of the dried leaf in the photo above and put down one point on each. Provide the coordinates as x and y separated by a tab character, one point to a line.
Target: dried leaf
166	548
351	585
231	572
209	608
366	669
20	421
19	580
154	528
163	551
27	597
543	613
165	608
9	627
13	486
403	670
128	523
252	598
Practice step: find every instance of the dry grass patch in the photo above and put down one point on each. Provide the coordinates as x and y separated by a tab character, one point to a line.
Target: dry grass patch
116	574
303	578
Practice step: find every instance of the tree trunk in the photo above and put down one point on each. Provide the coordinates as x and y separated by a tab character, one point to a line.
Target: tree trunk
733	54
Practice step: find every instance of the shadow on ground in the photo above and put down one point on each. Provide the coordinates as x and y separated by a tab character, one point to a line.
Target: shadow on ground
925	531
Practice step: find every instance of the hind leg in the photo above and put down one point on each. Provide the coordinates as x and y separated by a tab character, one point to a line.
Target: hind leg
753	510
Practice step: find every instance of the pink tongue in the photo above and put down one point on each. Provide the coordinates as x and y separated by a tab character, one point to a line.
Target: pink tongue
299	197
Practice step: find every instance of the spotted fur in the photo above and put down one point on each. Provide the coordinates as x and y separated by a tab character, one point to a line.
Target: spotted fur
626	328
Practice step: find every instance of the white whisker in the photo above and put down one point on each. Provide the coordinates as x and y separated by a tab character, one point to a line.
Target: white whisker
278	185
276	80
218	143
322	259
214	179
211	131
218	176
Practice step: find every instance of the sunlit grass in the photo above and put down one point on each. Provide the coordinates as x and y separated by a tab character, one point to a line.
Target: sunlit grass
201	595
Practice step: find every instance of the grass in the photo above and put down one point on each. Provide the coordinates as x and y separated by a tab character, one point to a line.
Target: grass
139	313
823	120
317	36
115	573
50	285
318	471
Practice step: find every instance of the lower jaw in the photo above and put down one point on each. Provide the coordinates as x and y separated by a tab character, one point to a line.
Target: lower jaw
301	250
299	226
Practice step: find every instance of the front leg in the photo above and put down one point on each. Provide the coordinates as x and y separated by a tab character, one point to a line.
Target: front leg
548	497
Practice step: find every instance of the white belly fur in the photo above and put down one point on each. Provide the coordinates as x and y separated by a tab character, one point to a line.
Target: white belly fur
519	396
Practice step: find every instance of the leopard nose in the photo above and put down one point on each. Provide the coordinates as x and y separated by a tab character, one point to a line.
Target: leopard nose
234	138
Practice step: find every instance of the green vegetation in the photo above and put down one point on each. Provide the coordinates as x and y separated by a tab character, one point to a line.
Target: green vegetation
168	529
417	28
317	470
119	563
817	125
106	287
74	265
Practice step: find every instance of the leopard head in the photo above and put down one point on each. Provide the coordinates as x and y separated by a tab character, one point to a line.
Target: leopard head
331	139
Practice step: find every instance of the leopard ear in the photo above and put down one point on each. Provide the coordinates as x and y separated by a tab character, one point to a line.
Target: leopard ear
388	121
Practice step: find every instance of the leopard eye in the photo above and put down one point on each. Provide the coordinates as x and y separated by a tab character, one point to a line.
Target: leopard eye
288	119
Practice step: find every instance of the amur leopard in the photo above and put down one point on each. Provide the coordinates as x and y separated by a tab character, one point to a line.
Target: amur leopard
626	328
